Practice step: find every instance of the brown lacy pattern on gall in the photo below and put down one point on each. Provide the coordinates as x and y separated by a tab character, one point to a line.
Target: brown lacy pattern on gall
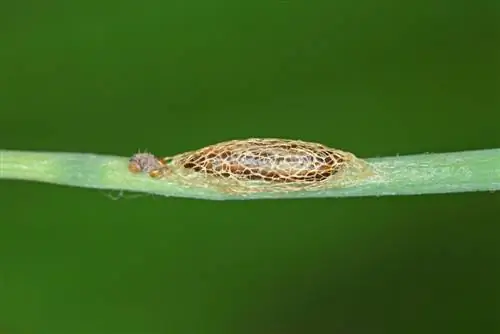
264	165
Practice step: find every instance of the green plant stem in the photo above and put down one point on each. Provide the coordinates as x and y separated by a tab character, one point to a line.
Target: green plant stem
401	175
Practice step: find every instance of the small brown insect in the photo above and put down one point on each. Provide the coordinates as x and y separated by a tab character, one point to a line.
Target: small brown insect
146	163
265	165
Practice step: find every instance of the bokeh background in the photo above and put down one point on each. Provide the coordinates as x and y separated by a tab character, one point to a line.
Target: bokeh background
376	78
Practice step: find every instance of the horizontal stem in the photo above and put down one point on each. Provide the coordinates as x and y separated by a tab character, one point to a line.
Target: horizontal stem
401	175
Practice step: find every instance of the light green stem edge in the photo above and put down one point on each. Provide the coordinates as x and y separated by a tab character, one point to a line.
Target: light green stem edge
454	172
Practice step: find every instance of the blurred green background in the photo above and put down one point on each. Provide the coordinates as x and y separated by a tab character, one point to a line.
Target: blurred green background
376	78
